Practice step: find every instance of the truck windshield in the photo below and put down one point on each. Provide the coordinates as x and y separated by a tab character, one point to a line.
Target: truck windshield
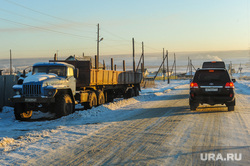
58	70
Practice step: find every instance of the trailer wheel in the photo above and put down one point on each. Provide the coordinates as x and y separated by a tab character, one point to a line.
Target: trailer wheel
92	101
136	91
64	105
100	97
109	96
129	93
20	113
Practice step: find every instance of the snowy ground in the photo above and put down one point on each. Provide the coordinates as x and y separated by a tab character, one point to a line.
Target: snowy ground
22	141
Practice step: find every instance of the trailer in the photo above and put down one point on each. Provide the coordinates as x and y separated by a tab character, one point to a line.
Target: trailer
56	86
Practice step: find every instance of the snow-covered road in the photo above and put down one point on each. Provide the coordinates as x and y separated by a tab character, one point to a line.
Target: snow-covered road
156	128
163	133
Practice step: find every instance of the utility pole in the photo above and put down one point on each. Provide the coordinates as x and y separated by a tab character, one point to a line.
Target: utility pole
133	45
191	72
163	70
187	71
160	67
167	67
98	40
240	68
10	63
175	66
142	68
231	67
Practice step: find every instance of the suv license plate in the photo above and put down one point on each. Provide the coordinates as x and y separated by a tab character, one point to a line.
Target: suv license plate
30	100
211	89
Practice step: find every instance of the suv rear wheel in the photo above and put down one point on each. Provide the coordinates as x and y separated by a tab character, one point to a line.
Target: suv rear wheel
230	105
193	105
230	108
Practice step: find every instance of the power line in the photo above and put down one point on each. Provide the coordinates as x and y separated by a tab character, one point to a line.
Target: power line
17	4
31	18
122	38
46	29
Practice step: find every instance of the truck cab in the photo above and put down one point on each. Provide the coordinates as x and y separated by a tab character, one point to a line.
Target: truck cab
50	83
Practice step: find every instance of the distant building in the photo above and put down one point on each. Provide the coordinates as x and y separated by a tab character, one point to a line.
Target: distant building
83	58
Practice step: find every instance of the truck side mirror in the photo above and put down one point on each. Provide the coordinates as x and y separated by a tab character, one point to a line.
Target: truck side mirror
76	73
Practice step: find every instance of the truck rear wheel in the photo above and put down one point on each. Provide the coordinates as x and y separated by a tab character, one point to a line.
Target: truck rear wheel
100	97
92	101
20	113
64	105
109	96
136	90
129	93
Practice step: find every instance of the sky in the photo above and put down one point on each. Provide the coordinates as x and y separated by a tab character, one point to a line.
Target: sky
41	28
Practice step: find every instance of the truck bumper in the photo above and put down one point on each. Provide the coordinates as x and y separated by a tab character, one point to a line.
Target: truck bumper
32	100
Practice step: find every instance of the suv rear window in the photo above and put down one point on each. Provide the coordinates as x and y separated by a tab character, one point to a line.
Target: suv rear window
215	64
220	76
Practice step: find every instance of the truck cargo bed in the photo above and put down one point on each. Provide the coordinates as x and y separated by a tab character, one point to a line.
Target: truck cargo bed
92	77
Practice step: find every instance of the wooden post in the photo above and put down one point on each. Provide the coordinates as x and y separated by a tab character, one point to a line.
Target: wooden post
175	66
133	42
10	63
112	64
163	70
167	67
191	72
104	65
124	74
115	67
98	40
55	57
124	67
96	62
142	66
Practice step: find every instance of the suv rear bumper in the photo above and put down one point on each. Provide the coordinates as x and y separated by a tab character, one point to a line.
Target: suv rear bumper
212	99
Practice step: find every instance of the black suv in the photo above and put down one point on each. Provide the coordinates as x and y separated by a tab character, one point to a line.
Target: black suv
212	86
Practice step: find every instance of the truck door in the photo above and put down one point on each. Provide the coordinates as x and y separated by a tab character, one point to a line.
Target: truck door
71	80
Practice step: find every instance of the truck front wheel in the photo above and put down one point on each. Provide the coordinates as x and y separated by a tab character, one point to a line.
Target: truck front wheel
20	113
64	105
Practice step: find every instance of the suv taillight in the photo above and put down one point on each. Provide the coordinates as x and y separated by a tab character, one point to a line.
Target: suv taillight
229	85
194	85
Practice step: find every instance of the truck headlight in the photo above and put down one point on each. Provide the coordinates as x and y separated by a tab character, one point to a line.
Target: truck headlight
17	93
50	92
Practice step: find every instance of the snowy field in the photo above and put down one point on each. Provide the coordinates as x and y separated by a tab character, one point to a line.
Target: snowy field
22	141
